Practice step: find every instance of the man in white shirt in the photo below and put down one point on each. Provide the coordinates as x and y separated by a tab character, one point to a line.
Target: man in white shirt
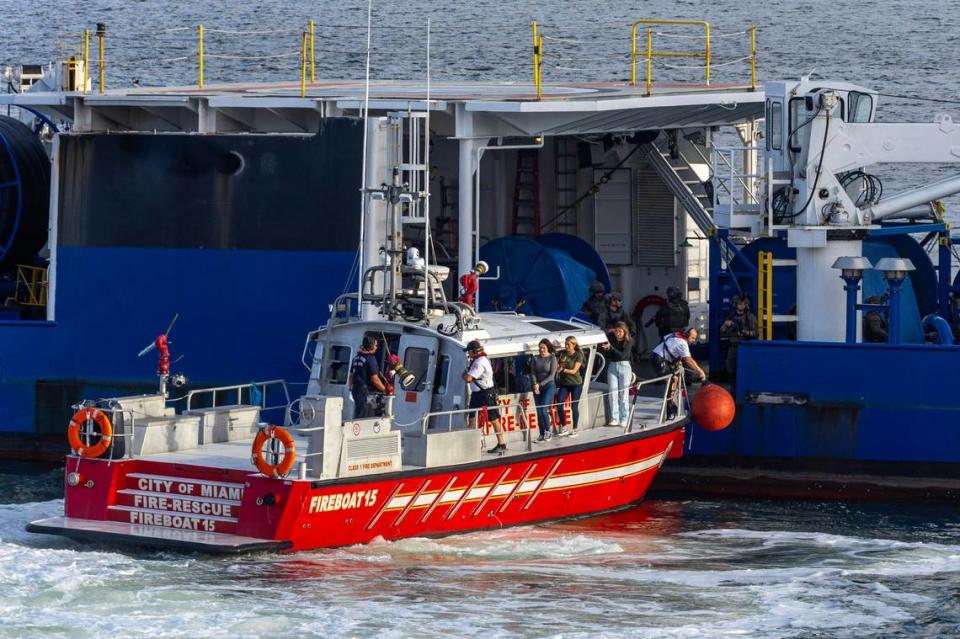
674	350
479	378
672	355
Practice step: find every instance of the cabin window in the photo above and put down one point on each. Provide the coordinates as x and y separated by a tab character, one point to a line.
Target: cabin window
504	377
443	374
799	117
861	106
339	370
417	360
775	126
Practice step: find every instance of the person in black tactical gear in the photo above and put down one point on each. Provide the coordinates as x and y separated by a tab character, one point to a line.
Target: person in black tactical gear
614	313
874	324
740	325
595	304
674	315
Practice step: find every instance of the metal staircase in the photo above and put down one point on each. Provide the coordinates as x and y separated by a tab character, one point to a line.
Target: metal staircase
683	182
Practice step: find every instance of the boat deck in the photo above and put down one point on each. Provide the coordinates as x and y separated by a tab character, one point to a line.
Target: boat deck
235	455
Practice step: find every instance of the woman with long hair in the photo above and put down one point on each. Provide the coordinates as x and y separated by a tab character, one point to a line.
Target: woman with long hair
570	363
619	373
543	370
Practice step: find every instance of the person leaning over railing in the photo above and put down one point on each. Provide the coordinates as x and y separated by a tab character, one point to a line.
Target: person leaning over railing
543	370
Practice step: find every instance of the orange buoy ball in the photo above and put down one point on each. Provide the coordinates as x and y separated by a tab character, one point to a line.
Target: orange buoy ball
713	407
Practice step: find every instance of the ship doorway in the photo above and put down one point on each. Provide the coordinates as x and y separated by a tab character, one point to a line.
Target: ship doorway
418	353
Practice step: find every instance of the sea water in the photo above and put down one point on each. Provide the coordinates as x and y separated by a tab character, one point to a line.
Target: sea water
663	569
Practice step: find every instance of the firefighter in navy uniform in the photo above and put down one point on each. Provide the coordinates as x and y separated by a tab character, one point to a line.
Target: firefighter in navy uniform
365	378
740	325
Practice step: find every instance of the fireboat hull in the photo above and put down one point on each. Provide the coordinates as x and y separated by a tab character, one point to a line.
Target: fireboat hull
152	503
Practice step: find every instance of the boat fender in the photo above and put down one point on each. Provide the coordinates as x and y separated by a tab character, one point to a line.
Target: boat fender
80	418
713	408
281	468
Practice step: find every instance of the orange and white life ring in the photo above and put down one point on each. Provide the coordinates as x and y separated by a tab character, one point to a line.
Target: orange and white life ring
282	467
80	418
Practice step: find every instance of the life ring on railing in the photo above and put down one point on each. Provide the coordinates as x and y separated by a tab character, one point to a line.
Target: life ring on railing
73	432
281	468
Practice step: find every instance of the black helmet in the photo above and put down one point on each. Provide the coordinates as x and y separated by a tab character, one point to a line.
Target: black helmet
597	287
615	296
474	345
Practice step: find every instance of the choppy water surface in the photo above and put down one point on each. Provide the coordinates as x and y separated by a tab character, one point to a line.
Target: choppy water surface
663	569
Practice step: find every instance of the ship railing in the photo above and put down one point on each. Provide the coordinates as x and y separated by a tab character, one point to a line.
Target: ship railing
704	53
672	391
256	394
733	175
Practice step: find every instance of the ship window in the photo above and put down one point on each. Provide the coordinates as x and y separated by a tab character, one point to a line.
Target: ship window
339	364
861	106
775	126
443	374
799	117
417	360
504	377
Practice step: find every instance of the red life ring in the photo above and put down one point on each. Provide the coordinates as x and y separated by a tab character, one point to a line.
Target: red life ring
80	418
281	468
649	300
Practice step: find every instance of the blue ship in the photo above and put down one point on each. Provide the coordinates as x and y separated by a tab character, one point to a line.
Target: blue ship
236	208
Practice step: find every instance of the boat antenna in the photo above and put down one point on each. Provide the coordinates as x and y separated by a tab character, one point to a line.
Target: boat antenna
427	284
363	162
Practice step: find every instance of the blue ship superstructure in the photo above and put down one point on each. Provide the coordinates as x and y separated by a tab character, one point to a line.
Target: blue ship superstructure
819	392
246	237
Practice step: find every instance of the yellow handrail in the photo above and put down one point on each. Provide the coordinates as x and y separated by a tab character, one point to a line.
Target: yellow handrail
649	54
753	56
200	56
101	36
313	55
537	60
86	60
31	286
303	64
765	294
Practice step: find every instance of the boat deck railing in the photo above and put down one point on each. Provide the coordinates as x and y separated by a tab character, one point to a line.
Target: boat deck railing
435	418
256	394
291	50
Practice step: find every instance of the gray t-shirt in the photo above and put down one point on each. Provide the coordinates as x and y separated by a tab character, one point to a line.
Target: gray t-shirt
543	369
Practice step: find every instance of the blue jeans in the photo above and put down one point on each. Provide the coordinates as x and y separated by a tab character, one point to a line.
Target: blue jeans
574	393
619	375
543	401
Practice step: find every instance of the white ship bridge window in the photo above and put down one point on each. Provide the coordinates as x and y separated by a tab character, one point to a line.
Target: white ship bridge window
775	125
861	106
